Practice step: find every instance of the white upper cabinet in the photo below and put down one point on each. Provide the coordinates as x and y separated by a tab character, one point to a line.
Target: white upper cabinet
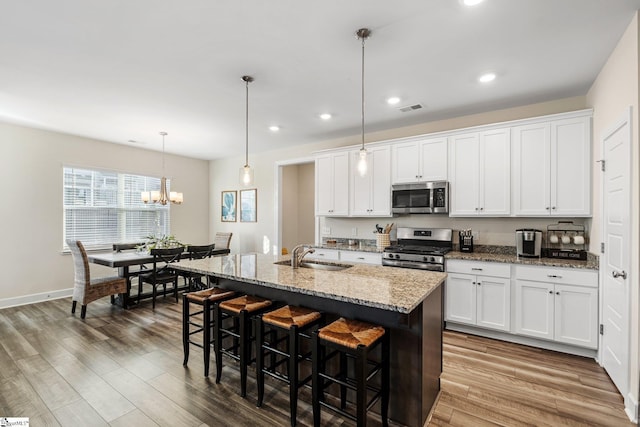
332	184
551	168
419	160
370	195
480	173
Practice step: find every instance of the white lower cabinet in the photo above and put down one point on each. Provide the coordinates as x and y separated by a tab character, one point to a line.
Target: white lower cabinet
557	304
355	257
475	294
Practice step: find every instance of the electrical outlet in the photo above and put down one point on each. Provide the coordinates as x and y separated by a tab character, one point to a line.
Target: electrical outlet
326	230
354	231
476	236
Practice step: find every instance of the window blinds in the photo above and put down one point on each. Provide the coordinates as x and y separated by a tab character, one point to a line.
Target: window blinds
102	208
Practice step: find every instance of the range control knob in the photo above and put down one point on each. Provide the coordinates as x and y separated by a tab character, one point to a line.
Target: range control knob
429	259
397	256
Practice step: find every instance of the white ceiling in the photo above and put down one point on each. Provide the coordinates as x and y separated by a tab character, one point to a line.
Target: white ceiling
123	70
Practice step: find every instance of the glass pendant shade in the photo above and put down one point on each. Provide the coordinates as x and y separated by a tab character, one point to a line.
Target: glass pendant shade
246	175
362	162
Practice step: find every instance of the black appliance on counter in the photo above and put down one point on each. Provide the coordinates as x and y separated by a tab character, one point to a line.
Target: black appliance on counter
419	248
420	198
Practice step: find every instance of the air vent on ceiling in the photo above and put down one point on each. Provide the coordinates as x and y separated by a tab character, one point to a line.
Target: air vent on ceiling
408	108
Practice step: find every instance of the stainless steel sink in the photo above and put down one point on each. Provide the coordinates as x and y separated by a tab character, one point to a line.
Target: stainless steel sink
327	266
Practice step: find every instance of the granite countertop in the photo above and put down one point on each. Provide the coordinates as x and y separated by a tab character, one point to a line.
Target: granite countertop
590	264
393	289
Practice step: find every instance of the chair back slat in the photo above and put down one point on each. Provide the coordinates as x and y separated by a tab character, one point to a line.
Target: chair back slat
222	240
199	252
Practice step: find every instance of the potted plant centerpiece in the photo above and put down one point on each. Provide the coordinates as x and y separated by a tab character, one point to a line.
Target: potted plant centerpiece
159	242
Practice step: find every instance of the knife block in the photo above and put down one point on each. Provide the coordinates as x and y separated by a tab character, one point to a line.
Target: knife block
466	243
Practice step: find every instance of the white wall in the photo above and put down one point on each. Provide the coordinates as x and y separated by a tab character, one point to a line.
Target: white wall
31	163
614	90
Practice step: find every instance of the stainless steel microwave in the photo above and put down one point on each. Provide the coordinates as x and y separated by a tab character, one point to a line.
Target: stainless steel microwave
420	198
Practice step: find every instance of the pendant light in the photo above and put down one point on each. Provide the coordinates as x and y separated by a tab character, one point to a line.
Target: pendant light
162	196
363	34
246	173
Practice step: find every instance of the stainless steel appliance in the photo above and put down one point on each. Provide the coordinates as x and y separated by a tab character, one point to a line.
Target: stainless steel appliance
420	197
420	248
528	242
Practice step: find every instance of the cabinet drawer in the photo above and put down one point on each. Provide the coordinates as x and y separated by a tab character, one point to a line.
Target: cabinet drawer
495	269
363	257
328	254
569	276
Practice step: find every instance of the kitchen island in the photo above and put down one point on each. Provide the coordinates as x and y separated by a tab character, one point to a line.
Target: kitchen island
408	302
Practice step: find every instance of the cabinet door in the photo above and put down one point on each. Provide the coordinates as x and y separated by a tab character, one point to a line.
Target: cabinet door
324	254
361	257
332	184
460	298
570	167
406	162
340	184
495	173
530	171
576	315
534	309
493	302
380	161
324	185
464	156
433	156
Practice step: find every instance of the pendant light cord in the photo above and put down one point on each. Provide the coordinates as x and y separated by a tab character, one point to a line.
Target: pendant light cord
363	39
246	151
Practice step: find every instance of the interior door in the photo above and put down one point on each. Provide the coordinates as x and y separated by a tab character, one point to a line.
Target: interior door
616	220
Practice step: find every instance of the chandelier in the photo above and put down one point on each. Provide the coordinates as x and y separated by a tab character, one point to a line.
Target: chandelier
162	196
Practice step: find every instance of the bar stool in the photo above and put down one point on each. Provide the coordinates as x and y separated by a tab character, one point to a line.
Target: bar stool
238	309
351	339
294	322
205	298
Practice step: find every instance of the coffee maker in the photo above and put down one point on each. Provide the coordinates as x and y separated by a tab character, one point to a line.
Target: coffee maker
528	242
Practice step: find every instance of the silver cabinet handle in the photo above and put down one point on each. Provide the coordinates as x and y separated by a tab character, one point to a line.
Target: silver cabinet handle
547	208
554	276
551	292
617	274
476	269
553	207
479	283
361	257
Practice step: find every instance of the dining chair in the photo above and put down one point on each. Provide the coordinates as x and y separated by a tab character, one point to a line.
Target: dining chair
161	273
86	290
222	240
192	278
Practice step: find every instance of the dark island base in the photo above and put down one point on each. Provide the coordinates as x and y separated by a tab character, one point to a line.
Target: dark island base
416	344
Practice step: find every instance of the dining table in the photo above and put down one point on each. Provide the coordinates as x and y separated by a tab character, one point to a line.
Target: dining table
126	259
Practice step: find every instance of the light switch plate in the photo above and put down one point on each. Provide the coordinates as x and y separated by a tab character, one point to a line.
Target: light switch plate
326	230
354	231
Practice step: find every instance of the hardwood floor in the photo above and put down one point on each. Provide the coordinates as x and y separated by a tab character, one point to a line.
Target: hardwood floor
124	367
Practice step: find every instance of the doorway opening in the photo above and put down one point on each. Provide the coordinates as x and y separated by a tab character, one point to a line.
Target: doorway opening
295	191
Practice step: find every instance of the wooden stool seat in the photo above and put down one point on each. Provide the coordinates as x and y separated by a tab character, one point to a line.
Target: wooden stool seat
238	311
206	299
357	341
248	303
289	316
351	333
212	294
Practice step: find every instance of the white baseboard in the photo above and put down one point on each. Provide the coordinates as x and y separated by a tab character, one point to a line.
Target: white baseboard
631	408
33	298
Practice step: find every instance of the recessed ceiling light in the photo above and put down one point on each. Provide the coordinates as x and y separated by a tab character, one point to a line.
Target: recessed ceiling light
274	128
393	100
486	78
472	2
325	116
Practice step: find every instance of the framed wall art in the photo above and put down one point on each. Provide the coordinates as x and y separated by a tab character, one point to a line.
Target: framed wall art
229	204
248	205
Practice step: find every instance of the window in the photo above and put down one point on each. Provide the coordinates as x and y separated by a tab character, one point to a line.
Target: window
102	208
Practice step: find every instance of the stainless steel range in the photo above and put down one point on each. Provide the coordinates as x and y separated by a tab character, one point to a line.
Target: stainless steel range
421	248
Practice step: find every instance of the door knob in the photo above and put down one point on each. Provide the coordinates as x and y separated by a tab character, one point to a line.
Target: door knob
617	274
